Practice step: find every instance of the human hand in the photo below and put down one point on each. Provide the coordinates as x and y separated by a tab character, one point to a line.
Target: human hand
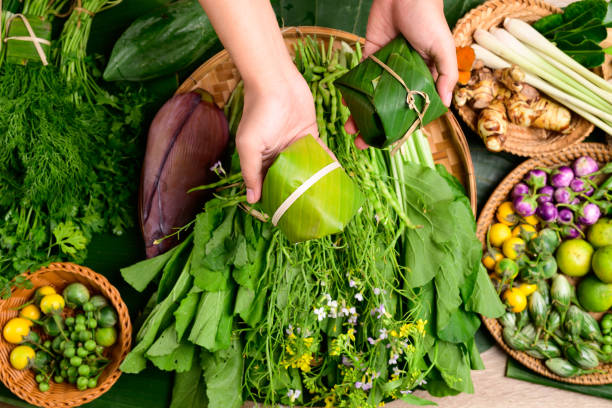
423	24
276	113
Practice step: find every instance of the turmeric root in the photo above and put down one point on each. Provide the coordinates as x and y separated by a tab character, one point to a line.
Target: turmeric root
492	125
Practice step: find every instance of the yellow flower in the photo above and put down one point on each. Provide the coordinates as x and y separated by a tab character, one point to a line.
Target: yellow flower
291	336
289	350
421	326
393	333
351	334
382	404
405	330
410	349
308	341
304	362
329	401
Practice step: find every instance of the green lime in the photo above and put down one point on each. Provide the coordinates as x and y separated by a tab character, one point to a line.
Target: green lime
595	295
574	257
600	233
602	263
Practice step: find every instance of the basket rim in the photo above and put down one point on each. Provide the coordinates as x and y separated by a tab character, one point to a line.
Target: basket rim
486	218
490	10
460	143
124	338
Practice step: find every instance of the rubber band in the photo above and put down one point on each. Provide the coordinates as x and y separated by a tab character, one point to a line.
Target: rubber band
410	101
312	180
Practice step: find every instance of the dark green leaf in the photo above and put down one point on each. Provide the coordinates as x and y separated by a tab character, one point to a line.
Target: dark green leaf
165	344
587	53
454	365
223	376
189	389
484	299
437	387
455	9
592	30
179	360
212	319
475	360
548	23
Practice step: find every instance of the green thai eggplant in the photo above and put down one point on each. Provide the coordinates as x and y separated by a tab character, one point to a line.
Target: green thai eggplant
561	292
508	320
544	290
515	339
538	310
522	319
564	368
582	356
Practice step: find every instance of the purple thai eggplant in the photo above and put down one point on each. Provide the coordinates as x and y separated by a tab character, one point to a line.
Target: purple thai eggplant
545	194
589	191
563	195
536	179
577	185
575	201
520	190
588	213
547	212
561	177
187	137
565	215
584	166
569	232
525	205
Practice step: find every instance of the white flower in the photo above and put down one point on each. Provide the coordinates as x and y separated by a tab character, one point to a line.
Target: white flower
396	371
333	313
352	283
294	394
320	312
406	392
383	334
328	297
344	312
289	330
352	320
332	303
377	291
423	382
359	297
393	359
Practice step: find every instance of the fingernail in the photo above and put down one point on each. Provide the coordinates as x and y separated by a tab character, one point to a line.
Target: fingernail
250	196
447	98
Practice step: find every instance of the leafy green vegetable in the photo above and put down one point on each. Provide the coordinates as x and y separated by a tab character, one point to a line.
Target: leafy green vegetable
173	267
578	30
414	400
223	375
189	389
214	318
186	311
142	273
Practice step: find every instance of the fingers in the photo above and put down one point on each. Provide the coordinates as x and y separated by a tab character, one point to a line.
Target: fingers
360	143
380	29
445	60
251	164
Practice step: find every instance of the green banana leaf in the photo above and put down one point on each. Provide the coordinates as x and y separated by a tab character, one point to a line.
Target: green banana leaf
19	51
324	208
377	100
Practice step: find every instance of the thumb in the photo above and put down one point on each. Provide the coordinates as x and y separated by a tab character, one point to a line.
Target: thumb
251	165
445	60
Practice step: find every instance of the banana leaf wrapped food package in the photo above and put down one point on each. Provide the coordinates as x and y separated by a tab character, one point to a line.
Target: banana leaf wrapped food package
307	194
390	93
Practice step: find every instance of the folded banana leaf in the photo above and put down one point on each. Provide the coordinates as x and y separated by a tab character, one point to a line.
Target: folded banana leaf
20	44
328	200
377	100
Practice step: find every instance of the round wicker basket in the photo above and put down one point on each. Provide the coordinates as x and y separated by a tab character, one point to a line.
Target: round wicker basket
519	140
22	383
602	154
219	77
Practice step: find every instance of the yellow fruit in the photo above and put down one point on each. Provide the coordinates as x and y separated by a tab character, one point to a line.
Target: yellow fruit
21	356
52	303
30	312
531	220
524	230
16	329
492	258
498	234
516	299
527	288
505	213
45	290
513	247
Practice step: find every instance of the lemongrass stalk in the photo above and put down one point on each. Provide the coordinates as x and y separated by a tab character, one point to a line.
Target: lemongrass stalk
493	44
423	149
583	109
581	90
530	35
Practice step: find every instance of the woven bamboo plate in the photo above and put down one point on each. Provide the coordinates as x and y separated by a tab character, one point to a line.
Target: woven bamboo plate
522	141
63	395
601	153
219	77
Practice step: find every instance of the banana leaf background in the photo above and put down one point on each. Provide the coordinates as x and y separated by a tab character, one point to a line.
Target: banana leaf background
152	388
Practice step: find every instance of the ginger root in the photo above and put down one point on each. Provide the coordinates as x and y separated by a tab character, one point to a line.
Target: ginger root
493	125
503	97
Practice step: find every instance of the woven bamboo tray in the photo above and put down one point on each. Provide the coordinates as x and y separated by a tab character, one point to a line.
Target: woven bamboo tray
219	77
64	395
601	153
522	141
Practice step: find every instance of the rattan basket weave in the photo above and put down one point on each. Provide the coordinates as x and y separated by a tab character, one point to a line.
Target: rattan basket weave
64	395
219	77
601	153
522	141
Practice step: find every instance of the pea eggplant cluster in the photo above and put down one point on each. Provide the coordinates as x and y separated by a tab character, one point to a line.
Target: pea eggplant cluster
63	337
